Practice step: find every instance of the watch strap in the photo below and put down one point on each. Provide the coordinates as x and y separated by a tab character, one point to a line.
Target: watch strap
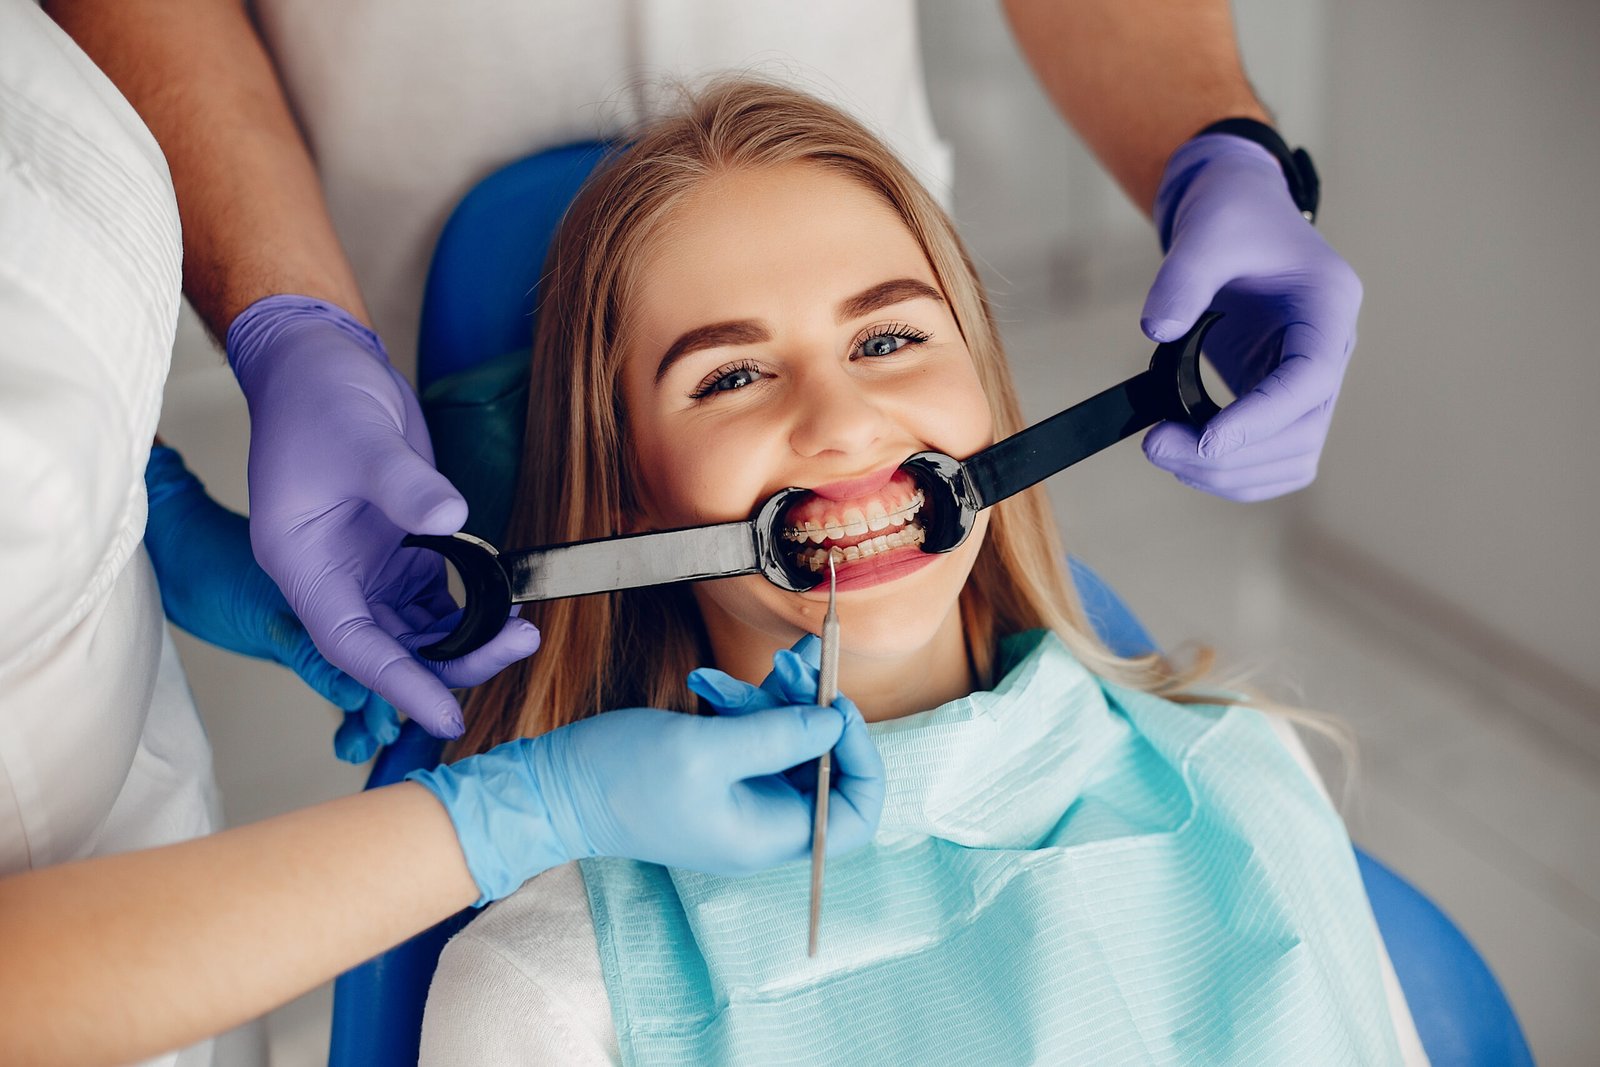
1305	187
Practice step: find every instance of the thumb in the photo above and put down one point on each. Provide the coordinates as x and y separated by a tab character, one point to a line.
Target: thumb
411	492
1184	288
772	740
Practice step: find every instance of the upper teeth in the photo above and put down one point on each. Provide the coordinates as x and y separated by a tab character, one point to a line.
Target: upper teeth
854	522
817	558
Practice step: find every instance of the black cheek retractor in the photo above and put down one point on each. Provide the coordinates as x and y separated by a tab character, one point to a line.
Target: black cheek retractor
778	565
949	505
954	491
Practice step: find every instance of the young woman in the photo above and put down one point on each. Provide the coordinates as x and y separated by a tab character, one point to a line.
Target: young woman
1071	866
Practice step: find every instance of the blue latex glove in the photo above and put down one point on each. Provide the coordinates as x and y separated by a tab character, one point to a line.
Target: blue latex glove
213	588
693	791
857	774
1238	244
341	469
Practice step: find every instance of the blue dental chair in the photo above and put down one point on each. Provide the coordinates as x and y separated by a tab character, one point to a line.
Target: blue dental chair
477	322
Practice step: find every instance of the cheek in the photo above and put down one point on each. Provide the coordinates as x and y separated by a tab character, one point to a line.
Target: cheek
949	409
696	474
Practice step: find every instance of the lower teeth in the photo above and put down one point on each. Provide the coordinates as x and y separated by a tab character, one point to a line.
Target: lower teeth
818	559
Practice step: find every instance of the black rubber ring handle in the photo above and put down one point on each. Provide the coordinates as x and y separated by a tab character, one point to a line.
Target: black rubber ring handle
488	590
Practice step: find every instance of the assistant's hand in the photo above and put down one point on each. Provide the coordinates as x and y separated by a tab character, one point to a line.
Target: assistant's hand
341	469
664	787
213	588
858	784
1238	244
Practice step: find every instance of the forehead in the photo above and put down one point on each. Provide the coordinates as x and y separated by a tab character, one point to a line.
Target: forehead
764	243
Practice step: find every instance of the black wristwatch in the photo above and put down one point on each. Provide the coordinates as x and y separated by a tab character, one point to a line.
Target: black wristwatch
1304	185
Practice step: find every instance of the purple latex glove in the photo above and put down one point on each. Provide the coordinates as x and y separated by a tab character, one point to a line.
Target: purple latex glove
1238	244
341	469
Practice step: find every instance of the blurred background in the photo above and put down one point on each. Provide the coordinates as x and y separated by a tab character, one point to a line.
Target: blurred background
1437	588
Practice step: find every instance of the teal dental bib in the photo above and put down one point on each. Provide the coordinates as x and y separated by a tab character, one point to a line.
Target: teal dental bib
1066	872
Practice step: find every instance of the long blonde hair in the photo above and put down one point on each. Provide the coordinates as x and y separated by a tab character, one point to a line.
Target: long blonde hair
636	647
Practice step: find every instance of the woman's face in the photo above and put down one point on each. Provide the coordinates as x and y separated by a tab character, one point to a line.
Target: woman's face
787	330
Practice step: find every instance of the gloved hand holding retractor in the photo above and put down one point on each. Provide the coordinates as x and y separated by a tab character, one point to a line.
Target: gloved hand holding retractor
664	787
1239	245
341	469
212	586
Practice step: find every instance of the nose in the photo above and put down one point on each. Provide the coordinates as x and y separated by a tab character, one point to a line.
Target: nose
834	411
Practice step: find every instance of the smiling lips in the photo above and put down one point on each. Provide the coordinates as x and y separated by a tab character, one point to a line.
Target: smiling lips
852	530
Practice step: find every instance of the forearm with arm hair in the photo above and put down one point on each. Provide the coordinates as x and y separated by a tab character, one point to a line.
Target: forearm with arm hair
1136	78
120	958
254	218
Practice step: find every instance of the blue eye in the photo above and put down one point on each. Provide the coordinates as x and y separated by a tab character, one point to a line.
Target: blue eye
727	379
882	345
887	340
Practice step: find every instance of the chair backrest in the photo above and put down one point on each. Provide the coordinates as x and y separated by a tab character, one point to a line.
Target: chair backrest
477	329
483	282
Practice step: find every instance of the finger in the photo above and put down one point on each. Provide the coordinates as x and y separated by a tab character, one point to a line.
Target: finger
411	492
381	719
858	786
1257	493
301	656
352	741
1171	444
772	740
809	648
1306	379
517	640
1303	439
794	678
1226	483
728	695
1185	286
364	651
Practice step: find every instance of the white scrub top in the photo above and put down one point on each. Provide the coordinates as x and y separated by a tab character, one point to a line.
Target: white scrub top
101	750
406	104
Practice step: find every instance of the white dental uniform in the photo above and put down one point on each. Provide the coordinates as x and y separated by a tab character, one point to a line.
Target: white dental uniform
407	104
101	749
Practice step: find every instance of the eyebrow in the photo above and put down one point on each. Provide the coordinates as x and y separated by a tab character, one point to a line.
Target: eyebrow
750	332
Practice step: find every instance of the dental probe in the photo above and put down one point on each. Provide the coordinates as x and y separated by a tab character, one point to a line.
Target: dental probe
827	689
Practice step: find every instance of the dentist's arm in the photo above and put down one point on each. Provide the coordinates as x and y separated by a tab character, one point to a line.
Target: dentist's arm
341	467
1138	79
254	219
117	959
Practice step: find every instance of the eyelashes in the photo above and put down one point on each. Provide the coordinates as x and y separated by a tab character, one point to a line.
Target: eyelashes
746	372
718	381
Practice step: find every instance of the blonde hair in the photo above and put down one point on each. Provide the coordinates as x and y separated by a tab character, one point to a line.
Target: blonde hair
636	647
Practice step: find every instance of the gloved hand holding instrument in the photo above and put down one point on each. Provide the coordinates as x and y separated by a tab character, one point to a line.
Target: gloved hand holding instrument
714	794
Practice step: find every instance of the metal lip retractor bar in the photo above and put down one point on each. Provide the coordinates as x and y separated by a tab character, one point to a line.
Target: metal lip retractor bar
955	491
